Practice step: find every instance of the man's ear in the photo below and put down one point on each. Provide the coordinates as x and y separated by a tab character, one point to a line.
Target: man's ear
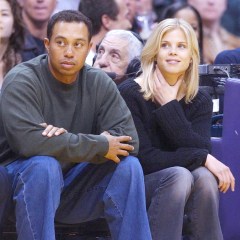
46	44
106	21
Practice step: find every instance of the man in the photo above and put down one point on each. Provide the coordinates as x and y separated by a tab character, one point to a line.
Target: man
105	16
228	57
90	162
35	15
215	37
115	52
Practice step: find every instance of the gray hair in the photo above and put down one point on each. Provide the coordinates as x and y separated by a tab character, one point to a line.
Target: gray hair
134	44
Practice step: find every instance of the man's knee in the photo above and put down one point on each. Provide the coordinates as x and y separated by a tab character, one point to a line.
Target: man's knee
131	165
40	171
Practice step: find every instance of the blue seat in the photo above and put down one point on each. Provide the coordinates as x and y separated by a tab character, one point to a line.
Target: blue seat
227	150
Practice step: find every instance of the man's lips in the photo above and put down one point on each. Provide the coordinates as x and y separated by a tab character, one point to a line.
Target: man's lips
67	64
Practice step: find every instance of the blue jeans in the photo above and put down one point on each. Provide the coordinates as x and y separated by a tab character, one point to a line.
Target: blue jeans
87	192
5	193
175	192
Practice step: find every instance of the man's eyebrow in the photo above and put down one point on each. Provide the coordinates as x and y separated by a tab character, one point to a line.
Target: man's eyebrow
115	50
78	39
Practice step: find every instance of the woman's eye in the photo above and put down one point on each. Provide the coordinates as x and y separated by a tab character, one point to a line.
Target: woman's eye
165	45
182	46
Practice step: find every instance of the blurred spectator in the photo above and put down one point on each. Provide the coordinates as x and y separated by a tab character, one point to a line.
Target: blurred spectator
215	37
132	9
189	14
105	16
231	17
228	57
160	5
145	18
66	5
117	49
35	15
11	36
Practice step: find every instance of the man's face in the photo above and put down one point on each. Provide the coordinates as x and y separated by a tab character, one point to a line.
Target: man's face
210	10
131	4
122	19
112	55
67	50
37	11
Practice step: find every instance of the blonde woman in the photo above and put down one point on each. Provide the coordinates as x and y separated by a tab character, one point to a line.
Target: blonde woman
172	117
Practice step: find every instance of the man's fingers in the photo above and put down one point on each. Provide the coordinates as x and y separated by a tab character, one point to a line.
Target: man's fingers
124	138
116	160
47	130
126	147
60	131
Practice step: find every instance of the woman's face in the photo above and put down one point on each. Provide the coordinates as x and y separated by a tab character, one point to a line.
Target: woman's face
6	20
174	55
189	16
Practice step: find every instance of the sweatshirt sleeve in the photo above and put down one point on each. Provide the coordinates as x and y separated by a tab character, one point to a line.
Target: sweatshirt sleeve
115	117
20	110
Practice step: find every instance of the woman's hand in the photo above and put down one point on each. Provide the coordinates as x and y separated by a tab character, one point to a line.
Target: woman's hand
222	172
163	92
50	130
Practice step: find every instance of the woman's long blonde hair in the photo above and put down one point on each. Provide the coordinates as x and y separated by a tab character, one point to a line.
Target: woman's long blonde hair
151	49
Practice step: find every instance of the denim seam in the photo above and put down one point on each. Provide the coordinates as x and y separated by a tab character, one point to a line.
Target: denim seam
115	205
194	216
28	217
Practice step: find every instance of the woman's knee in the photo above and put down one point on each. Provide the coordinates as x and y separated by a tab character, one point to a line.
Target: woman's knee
175	182
205	181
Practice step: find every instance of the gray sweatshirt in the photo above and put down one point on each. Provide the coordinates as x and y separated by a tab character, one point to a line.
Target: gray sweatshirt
92	104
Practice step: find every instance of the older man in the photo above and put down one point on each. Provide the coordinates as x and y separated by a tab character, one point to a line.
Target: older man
117	49
105	16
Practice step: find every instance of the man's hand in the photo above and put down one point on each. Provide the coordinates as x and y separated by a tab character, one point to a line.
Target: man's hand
50	130
117	146
222	172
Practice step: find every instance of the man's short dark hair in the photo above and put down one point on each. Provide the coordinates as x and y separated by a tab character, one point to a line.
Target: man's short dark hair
69	16
95	9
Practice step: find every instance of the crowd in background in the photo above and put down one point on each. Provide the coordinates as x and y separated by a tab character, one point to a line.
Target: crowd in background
215	23
122	31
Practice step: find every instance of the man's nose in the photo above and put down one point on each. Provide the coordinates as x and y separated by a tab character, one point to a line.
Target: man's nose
69	51
103	60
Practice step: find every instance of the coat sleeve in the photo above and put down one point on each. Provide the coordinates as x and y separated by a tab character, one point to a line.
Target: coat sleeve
20	115
115	117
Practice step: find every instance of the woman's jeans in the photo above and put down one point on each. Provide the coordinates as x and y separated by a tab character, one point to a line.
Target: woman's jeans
42	194
175	192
